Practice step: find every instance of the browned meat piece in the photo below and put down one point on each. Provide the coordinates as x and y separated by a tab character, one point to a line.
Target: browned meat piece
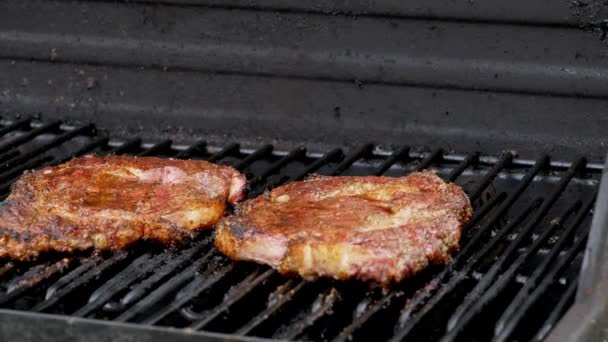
111	202
372	228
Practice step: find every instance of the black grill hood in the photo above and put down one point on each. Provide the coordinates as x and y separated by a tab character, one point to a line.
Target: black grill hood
470	75
509	99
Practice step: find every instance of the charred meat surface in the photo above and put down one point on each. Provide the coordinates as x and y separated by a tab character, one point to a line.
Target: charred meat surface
110	202
372	228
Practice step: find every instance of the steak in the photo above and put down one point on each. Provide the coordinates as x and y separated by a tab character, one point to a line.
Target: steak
371	228
110	202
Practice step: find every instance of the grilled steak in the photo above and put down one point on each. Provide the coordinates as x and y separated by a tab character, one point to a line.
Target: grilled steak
111	202
371	228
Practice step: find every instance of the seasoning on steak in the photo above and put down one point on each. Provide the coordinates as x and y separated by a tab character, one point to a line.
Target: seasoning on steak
110	202
371	228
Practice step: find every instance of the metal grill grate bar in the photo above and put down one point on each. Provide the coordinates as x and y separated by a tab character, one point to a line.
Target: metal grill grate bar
126	146
407	322
429	159
401	154
504	207
465	313
282	295
19	140
335	154
322	307
53	143
199	285
140	290
558	311
357	154
259	153
138	268
235	294
519	312
162	146
32	278
6	268
8	176
85	265
504	160
463	165
455	281
66	287
192	150
162	291
292	155
179	287
46	160
538	273
524	233
88	148
228	150
15	126
422	301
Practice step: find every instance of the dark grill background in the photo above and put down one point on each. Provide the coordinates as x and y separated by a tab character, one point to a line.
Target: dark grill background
516	272
464	75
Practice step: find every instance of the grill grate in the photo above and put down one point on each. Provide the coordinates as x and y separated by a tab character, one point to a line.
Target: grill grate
522	248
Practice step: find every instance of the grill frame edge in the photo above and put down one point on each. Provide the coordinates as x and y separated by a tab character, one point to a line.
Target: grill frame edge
18	326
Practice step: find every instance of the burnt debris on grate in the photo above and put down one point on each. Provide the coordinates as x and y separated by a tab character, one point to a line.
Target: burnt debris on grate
522	248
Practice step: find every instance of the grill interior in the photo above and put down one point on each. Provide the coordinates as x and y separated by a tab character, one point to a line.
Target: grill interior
513	279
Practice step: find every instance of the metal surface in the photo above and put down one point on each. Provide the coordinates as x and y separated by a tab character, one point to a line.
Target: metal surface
523	247
434	72
587	319
508	100
186	106
537	60
563	12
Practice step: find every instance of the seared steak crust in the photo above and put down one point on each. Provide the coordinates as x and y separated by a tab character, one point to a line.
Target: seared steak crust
371	228
110	202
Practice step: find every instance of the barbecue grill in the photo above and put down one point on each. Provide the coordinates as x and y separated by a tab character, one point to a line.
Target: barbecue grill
510	105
